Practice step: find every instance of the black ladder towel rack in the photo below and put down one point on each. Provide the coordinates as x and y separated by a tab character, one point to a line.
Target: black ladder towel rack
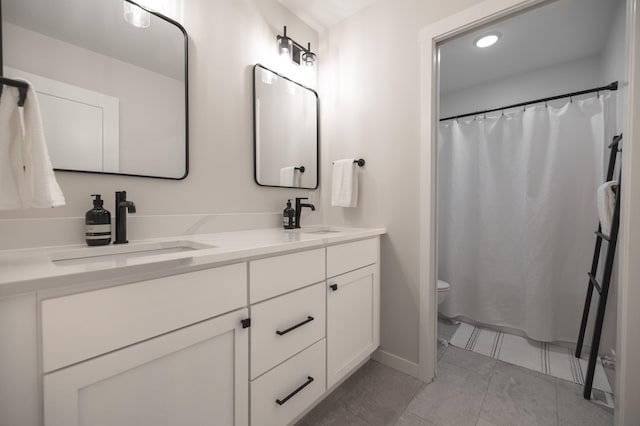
601	287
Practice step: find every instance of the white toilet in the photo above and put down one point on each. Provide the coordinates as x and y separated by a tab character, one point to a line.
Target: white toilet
443	291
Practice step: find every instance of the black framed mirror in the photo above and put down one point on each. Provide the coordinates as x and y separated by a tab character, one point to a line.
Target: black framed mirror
113	94
285	131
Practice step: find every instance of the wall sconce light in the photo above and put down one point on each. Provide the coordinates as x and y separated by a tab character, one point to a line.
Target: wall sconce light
288	47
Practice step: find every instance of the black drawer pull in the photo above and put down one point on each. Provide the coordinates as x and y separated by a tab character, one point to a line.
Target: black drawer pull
333	287
280	333
292	394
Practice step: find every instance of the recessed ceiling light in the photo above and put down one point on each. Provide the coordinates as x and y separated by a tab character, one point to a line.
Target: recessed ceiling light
487	40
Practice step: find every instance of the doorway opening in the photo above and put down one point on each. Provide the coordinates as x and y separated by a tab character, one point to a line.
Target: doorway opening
471	26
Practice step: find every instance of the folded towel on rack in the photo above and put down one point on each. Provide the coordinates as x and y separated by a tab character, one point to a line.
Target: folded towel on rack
26	174
288	176
344	183
606	204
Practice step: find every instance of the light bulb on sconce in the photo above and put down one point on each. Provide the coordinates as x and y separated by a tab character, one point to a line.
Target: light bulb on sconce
285	46
135	15
308	58
294	51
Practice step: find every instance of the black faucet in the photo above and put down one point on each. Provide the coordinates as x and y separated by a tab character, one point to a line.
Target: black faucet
299	207
122	205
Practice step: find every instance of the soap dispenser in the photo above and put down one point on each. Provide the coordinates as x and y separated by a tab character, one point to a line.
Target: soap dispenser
98	224
288	216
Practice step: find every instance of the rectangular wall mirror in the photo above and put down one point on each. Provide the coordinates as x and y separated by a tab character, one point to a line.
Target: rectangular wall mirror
113	96
285	125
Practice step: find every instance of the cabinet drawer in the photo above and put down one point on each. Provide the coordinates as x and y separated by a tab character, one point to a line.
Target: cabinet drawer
280	274
284	326
81	326
347	257
274	400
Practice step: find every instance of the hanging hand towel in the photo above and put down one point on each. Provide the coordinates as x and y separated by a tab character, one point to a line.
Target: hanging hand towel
27	178
344	184
606	204
288	176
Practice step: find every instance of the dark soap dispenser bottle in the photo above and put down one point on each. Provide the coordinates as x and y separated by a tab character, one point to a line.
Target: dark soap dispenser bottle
98	224
288	217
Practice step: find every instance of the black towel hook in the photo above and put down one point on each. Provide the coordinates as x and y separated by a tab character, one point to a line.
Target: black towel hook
20	85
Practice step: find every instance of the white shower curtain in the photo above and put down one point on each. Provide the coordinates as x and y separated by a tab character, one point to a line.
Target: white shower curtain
517	214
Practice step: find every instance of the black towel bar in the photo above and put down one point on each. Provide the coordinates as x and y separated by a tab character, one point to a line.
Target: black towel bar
360	162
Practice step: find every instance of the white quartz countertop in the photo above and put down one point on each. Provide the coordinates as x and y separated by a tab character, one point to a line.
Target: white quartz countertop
28	270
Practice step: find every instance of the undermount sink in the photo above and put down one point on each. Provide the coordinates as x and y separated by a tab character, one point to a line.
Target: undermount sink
89	255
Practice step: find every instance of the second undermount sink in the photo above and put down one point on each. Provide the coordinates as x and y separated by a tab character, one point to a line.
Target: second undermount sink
320	230
90	255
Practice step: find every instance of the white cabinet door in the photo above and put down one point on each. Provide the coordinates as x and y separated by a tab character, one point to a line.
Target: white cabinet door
353	320
194	376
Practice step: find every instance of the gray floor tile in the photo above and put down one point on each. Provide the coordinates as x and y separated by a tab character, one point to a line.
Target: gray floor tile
611	375
483	422
441	351
336	416
380	396
478	363
518	396
374	395
454	398
573	409
446	329
410	419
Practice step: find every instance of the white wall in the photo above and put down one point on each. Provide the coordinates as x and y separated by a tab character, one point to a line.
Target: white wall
581	74
369	99
227	37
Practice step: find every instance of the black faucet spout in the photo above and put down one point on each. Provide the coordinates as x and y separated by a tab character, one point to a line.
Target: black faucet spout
299	206
122	207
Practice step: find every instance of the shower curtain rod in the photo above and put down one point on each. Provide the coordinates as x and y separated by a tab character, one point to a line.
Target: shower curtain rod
612	87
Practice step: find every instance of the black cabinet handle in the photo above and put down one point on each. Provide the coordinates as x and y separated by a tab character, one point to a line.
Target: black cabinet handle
280	333
292	394
333	287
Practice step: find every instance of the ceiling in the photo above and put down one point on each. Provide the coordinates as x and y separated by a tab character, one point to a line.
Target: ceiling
556	33
322	14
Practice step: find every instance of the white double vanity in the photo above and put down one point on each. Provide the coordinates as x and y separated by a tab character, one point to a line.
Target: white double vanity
237	328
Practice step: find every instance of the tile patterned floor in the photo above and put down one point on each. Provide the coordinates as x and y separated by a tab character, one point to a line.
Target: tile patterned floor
470	389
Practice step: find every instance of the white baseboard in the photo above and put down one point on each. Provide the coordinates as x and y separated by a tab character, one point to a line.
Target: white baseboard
394	361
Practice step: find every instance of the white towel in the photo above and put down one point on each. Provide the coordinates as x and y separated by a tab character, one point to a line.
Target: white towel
606	204
26	174
344	184
288	176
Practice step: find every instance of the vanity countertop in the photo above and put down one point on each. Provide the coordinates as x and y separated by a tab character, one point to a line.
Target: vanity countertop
28	270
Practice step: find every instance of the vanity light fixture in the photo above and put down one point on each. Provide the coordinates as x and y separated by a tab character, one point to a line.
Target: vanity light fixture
487	40
289	48
135	15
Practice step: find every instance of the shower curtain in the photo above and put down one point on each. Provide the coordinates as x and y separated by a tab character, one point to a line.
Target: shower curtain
517	214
